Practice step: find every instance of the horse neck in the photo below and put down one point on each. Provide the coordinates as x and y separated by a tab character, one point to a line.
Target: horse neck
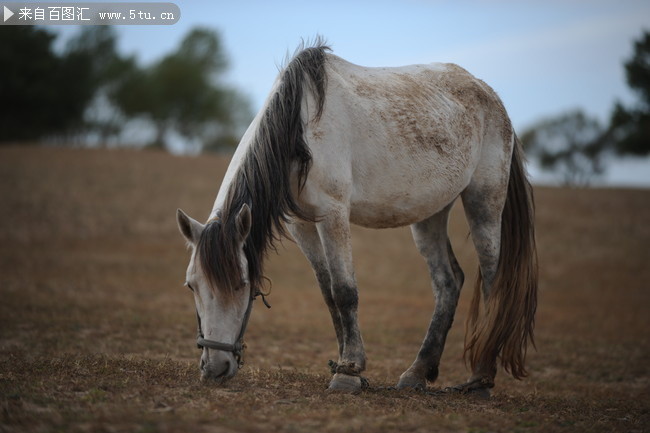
238	157
234	166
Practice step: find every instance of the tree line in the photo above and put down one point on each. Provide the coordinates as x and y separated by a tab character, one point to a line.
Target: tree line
90	93
577	146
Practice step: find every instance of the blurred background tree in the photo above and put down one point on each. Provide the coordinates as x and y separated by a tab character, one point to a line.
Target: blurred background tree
569	144
108	69
90	93
42	92
182	93
576	147
631	126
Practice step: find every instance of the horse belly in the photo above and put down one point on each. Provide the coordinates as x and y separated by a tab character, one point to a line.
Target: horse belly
409	164
406	190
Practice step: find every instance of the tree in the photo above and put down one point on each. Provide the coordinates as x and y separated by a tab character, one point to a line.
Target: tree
107	70
42	93
571	144
181	92
631	126
89	92
574	144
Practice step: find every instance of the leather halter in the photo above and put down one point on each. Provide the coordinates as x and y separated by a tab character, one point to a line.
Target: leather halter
237	348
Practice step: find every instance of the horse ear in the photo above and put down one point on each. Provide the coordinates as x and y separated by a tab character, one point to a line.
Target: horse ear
244	222
190	228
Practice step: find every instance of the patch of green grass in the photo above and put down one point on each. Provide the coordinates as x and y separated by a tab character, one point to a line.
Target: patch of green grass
94	396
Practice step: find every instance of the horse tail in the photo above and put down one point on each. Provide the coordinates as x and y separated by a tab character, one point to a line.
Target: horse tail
506	327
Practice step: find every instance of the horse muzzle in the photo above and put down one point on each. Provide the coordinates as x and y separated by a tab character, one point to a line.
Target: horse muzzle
217	366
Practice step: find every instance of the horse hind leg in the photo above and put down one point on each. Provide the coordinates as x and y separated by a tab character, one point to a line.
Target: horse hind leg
500	213
483	207
447	278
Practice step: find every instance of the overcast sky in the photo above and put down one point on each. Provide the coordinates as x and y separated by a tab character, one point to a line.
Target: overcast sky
542	57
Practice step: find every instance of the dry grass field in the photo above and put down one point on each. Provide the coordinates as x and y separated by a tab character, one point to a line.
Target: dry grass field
97	331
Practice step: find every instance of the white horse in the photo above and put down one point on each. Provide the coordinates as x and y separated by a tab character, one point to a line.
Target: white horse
337	143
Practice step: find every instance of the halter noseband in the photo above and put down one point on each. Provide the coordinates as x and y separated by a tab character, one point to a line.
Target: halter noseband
238	347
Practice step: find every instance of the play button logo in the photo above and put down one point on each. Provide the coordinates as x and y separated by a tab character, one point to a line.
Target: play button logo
7	14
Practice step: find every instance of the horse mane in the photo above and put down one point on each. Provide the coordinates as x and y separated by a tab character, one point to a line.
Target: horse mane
263	180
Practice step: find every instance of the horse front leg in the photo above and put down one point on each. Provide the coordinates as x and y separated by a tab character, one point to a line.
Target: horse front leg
306	236
334	231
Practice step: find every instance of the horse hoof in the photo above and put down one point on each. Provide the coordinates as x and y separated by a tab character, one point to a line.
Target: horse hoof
408	381
482	393
478	388
345	384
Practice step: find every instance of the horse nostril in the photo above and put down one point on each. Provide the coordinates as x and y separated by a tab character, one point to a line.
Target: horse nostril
214	369
221	370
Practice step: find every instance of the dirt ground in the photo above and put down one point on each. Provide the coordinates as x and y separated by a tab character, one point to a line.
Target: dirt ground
97	331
